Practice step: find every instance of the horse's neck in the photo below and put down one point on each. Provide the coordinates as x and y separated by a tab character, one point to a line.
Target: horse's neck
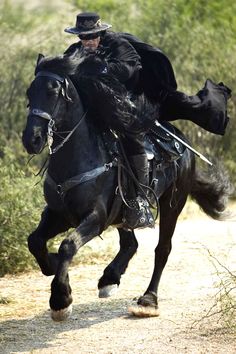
83	151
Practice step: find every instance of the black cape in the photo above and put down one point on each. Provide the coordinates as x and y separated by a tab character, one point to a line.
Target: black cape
208	108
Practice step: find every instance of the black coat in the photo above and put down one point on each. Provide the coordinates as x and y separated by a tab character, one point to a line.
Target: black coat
208	108
145	69
123	61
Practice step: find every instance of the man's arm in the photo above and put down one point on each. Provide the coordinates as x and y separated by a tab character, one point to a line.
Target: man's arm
122	59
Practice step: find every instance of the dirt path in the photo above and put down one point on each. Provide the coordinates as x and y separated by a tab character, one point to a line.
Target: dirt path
187	292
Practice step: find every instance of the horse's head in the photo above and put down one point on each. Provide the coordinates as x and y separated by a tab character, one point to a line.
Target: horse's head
48	97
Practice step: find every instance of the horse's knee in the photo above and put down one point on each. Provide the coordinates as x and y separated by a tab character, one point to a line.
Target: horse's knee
67	249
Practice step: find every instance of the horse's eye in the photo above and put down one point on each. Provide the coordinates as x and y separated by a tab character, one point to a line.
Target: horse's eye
53	88
53	85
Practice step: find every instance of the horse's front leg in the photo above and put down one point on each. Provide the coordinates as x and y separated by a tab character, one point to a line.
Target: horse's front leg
110	280
61	299
51	224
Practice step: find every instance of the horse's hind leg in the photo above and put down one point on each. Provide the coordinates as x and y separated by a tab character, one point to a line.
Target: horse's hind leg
168	219
110	280
51	224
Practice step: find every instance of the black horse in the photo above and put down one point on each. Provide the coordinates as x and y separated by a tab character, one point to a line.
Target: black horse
81	187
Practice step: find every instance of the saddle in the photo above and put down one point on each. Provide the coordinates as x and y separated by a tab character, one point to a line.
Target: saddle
159	145
162	152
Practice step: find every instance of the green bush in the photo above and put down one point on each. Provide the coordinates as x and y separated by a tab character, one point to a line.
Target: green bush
20	205
24	34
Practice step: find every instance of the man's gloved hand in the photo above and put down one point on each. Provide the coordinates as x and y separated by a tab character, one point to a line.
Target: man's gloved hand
93	64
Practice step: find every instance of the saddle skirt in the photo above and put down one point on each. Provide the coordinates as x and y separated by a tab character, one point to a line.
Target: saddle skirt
161	146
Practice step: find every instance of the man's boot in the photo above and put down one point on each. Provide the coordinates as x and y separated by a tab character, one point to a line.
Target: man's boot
139	214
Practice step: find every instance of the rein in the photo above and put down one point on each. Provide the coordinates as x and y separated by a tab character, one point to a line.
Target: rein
50	136
50	117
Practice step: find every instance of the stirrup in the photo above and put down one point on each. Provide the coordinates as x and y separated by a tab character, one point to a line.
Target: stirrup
138	215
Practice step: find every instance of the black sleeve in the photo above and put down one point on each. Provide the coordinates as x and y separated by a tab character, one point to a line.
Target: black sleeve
122	60
208	108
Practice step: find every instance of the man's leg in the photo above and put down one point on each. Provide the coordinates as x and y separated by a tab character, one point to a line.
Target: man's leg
139	214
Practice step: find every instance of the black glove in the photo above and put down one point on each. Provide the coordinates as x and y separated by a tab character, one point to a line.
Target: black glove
92	64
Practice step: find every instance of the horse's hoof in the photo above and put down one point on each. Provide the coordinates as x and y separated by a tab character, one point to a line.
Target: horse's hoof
148	300
61	315
143	311
108	290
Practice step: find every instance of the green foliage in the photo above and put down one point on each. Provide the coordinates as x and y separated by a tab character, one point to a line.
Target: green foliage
20	205
24	35
118	13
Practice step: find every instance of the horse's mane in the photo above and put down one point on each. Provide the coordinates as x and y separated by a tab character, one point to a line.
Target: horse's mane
62	64
102	91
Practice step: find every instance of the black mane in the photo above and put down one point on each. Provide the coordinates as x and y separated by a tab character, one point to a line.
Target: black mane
99	90
62	64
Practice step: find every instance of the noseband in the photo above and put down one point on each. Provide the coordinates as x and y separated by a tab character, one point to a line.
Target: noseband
50	117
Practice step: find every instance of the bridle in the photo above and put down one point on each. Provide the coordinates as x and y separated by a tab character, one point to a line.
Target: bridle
51	117
64	187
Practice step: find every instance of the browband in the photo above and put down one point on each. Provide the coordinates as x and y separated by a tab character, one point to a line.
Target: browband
52	75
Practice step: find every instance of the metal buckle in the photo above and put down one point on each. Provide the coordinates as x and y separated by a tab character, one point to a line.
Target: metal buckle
59	189
108	166
50	135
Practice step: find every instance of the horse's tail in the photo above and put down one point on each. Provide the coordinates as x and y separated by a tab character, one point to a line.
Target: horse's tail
211	190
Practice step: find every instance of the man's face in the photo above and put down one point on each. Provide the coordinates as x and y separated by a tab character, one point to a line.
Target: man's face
90	41
91	44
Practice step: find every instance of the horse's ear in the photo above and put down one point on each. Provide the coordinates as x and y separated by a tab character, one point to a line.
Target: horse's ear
40	57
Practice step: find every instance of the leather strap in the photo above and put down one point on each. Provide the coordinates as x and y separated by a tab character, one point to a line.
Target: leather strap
64	187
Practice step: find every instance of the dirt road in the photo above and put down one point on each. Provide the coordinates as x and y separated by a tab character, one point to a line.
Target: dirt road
187	292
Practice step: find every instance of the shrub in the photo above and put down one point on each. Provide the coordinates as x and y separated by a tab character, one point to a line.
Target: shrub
20	205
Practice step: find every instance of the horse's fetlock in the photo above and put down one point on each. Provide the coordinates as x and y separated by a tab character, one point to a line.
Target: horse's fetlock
60	294
110	276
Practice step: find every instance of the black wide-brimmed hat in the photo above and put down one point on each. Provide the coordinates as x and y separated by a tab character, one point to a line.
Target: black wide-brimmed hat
86	23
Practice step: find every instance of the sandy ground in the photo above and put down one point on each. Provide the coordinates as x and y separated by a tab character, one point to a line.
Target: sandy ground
188	290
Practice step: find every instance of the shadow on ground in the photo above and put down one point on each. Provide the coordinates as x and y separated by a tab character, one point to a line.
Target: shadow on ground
25	335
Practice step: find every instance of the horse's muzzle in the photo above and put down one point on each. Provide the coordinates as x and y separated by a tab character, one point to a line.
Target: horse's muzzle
34	142
34	135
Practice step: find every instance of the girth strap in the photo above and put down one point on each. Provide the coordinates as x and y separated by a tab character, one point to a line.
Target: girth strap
64	187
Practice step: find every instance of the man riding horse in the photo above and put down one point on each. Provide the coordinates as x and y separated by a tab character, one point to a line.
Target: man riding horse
143	69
